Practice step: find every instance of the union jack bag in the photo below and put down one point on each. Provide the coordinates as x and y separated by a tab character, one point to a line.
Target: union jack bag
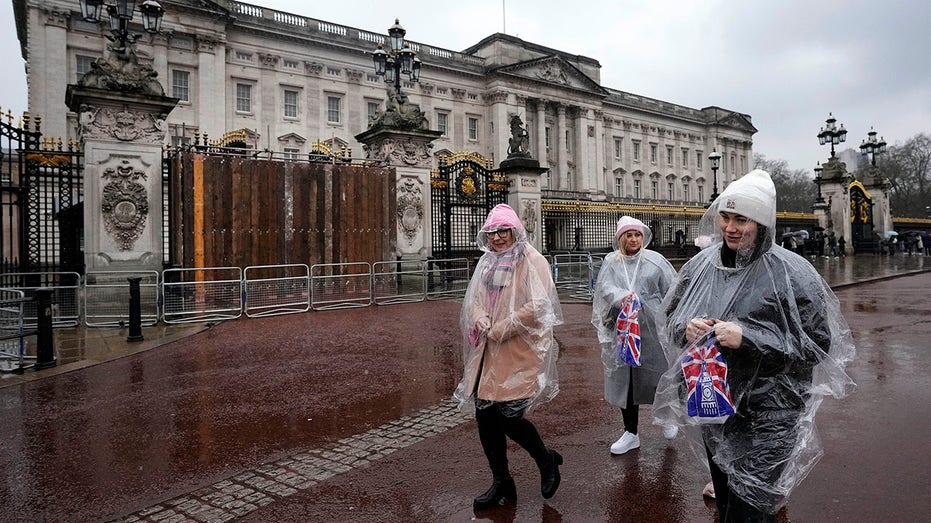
705	374
628	331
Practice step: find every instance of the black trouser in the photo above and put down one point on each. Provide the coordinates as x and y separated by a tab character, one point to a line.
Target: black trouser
493	430
730	507
630	413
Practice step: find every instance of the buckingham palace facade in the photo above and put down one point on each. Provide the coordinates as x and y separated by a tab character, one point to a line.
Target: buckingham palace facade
289	81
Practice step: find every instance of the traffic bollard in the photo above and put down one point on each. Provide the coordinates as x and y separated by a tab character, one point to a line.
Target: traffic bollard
45	338
135	310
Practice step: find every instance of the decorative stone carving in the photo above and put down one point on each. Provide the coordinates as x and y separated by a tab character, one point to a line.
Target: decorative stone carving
391	151
56	18
458	94
124	204
496	97
354	75
528	216
206	44
528	182
124	125
410	209
269	61
426	88
551	72
313	68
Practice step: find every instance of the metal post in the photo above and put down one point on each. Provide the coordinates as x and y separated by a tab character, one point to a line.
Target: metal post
45	339
135	310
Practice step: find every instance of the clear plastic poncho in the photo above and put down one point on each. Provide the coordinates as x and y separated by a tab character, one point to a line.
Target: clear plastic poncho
645	276
512	361
795	345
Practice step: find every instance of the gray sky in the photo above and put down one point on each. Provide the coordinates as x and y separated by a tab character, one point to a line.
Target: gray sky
785	62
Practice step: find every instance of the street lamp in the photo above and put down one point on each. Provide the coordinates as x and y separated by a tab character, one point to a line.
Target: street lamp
120	13
831	134
715	158
398	59
818	170
872	146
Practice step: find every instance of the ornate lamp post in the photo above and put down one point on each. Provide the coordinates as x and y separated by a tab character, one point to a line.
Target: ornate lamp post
872	146
818	170
121	12
715	158
832	134
398	59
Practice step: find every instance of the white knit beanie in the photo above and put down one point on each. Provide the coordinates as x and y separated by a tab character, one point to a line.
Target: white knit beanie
753	195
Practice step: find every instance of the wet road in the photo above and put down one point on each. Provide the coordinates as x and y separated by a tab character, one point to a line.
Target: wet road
110	441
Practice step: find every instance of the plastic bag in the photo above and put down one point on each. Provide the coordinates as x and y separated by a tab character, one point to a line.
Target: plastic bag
705	372
628	330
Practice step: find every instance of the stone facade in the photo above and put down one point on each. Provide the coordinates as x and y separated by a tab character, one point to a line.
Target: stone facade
292	80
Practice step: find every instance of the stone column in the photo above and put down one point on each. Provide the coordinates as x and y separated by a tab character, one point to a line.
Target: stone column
562	155
524	177
212	106
541	132
46	69
122	135
599	183
409	152
835	181
499	115
879	187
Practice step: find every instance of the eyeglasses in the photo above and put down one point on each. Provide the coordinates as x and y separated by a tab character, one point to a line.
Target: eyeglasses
501	233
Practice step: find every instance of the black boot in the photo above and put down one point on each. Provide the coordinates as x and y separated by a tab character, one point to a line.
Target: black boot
549	474
502	491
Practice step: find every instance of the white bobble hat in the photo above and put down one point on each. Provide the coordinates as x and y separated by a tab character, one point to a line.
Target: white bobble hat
753	195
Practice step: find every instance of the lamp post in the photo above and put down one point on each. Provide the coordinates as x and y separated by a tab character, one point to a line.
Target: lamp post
120	13
818	170
873	147
398	59
832	134
715	159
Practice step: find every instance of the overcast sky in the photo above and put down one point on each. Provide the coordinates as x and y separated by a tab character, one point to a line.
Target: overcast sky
787	63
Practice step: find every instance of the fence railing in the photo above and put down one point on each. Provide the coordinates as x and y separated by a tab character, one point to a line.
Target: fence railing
199	295
272	290
106	298
66	303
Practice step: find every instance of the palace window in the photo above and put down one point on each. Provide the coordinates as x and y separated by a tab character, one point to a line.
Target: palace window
290	104
685	158
669	159
637	189
333	104
618	187
618	147
442	122
670	191
473	128
654	189
652	153
243	98
698	157
83	64
636	146
181	85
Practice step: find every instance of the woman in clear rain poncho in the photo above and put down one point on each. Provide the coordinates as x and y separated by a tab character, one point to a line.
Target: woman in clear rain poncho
778	327
626	311
509	354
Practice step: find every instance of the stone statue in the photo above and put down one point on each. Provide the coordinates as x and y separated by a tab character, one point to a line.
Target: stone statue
121	71
519	143
400	113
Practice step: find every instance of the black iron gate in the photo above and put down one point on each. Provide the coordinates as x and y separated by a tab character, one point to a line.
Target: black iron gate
42	194
462	192
861	218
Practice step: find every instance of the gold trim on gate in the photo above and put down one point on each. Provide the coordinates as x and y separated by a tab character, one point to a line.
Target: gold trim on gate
48	159
446	161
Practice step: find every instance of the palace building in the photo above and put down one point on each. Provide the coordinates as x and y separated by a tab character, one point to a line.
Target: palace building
284	81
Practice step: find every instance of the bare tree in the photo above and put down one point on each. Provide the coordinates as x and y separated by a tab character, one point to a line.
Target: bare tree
795	189
908	167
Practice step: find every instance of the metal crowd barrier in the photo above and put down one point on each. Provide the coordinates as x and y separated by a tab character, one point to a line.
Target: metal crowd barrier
399	282
447	279
66	301
12	347
340	285
272	290
197	295
106	298
573	273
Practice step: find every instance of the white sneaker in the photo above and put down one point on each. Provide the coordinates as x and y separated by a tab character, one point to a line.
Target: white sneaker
626	442
670	431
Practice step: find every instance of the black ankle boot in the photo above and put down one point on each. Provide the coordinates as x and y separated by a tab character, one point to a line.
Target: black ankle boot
549	474
502	491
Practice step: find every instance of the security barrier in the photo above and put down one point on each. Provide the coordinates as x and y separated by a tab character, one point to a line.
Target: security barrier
198	295
340	285
272	290
447	279
399	282
12	348
66	302
106	298
573	274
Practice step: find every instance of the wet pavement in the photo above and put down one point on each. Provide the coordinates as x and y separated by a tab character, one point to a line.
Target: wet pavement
345	416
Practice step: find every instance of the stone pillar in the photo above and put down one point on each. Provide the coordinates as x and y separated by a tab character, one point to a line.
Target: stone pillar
524	178
599	183
562	155
499	115
879	187
835	181
211	87
409	152
46	69
122	135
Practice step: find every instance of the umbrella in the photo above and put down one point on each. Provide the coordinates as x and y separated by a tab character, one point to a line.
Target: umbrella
891	233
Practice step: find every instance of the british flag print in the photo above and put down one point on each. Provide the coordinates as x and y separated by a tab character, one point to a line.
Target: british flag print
705	374
628	330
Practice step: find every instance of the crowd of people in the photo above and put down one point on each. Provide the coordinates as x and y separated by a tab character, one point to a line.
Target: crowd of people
736	351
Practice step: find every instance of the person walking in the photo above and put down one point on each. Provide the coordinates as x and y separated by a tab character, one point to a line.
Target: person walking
755	331
626	312
509	353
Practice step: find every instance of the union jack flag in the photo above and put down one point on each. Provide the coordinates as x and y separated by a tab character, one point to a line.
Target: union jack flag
705	374
628	330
